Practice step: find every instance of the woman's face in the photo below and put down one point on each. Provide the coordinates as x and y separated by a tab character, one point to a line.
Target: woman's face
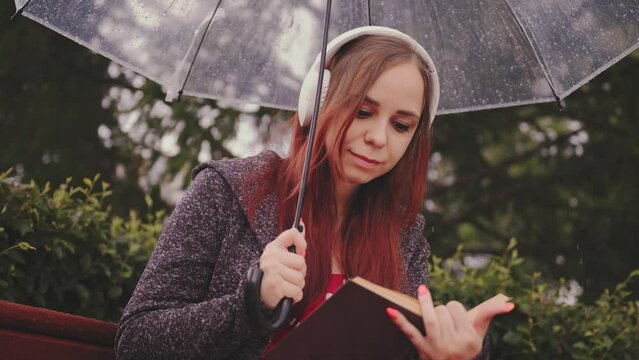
383	126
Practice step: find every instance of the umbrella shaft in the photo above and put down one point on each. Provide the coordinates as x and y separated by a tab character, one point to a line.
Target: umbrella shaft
311	133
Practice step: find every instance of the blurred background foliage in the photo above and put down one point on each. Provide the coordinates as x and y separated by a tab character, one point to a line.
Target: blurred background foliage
545	324
72	254
62	247
564	183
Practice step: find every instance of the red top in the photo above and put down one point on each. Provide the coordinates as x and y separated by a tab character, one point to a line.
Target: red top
334	283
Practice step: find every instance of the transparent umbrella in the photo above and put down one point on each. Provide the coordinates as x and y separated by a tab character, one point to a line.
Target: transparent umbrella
490	53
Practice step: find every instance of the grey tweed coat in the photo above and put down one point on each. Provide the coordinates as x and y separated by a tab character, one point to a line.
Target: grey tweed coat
189	302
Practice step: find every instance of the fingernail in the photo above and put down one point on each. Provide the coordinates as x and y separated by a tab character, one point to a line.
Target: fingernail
422	290
304	253
509	307
392	313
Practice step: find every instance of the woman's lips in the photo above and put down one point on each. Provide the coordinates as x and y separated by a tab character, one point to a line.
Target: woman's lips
363	161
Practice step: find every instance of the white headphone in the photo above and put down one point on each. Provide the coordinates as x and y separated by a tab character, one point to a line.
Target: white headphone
306	100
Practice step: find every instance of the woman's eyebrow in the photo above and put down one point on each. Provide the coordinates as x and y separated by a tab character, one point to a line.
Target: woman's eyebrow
401	112
408	113
370	100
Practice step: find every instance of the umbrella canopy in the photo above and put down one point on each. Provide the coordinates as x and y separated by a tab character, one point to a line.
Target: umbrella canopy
489	54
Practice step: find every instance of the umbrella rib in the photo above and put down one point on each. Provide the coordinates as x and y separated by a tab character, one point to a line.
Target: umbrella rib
440	31
197	50
168	7
368	3
20	10
535	48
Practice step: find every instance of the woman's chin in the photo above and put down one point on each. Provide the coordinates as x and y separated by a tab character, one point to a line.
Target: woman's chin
359	179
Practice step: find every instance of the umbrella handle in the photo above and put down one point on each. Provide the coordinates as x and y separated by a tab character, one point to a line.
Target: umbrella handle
257	314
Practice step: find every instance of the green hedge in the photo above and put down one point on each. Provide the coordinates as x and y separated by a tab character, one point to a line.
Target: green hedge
542	326
63	249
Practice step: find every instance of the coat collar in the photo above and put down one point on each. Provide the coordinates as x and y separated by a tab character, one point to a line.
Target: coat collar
236	173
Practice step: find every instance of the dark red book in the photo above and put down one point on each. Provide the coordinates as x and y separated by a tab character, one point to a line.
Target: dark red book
353	324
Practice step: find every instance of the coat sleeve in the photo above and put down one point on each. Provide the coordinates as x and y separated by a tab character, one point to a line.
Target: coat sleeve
169	315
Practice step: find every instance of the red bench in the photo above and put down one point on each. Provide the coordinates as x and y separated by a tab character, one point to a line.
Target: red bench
28	332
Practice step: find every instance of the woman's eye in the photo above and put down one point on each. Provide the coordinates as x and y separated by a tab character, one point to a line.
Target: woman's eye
363	113
400	126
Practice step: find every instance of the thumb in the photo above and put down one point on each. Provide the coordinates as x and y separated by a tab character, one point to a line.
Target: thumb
483	313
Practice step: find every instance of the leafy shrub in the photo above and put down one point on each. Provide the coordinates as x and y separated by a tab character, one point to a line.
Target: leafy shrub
542	326
63	249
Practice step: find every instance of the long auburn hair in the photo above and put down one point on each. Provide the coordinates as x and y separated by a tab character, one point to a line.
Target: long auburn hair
368	243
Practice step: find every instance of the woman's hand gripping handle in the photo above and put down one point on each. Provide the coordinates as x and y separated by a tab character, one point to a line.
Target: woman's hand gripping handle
277	281
284	271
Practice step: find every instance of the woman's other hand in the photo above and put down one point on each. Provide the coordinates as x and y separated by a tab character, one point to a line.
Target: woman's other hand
284	271
452	332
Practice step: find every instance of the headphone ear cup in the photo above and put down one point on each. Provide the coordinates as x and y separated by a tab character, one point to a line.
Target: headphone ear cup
307	96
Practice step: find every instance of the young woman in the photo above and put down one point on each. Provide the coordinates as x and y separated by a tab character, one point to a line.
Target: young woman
365	189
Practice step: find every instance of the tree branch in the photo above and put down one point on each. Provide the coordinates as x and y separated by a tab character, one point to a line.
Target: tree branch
471	179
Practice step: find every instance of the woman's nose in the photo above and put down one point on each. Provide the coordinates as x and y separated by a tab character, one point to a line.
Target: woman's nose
375	134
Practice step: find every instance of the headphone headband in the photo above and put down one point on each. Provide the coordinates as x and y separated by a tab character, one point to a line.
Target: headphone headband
309	86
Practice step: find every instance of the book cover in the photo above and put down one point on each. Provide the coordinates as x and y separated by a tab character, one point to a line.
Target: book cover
352	324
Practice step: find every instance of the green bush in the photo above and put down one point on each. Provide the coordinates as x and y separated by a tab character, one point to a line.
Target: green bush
63	249
542	326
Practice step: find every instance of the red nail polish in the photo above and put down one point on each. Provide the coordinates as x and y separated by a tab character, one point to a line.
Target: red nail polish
509	307
392	313
422	290
304	253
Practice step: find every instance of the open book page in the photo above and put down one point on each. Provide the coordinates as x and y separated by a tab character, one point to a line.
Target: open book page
409	303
